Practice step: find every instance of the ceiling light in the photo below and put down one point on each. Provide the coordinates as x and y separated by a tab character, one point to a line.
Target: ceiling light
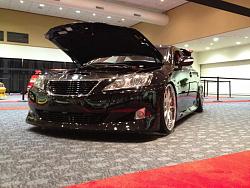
211	44
78	11
123	19
186	45
94	14
162	0
109	17
208	48
238	43
41	5
216	39
21	1
246	37
60	8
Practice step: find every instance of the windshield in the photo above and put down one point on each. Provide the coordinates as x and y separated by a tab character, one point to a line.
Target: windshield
165	52
123	59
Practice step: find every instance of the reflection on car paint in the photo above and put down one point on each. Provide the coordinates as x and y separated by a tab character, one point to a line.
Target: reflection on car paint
132	80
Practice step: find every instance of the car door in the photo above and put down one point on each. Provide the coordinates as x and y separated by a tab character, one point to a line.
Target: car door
181	78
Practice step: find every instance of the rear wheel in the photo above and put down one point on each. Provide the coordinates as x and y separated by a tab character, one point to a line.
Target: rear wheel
200	102
168	112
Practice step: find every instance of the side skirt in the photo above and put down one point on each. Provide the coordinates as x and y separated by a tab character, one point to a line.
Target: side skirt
190	110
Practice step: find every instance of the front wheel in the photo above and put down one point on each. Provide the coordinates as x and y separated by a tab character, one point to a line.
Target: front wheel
168	111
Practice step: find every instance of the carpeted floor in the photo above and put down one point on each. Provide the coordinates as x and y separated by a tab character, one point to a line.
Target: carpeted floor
13	98
33	158
210	99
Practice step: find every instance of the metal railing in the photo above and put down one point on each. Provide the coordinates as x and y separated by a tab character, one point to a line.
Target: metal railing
206	80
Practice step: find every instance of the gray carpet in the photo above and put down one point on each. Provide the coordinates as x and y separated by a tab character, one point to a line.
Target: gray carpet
33	158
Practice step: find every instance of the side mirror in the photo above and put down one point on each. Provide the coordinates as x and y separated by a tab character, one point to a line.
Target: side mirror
186	61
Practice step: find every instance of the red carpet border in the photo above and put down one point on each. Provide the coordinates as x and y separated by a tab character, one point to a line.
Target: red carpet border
226	101
229	171
14	108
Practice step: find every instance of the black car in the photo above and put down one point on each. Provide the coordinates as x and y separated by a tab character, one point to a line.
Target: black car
122	82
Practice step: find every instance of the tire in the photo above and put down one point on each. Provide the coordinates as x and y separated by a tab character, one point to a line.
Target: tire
200	103
168	109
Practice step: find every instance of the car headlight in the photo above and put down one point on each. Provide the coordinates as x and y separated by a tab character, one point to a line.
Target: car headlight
130	81
39	83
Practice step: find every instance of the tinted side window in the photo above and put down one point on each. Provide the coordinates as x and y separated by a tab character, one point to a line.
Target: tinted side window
1	35
17	37
177	56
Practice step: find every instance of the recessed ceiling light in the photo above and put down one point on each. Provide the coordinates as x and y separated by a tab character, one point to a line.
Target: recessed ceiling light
208	48
186	45
78	11
94	14
238	43
21	1
246	37
123	19
60	8
211	44
41	5
162	0
216	39
109	17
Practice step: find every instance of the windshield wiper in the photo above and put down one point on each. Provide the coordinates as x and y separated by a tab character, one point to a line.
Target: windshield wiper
124	65
89	66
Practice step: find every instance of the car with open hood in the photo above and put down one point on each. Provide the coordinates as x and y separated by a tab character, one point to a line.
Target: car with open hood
122	82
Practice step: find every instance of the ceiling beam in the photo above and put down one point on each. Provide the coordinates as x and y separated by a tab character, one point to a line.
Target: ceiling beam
222	5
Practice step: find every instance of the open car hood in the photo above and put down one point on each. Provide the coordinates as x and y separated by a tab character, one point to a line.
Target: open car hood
84	42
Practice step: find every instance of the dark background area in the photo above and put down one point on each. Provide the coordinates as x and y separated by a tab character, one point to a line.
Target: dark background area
15	73
1	35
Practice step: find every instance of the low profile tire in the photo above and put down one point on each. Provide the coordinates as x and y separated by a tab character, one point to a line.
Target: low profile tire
199	103
168	109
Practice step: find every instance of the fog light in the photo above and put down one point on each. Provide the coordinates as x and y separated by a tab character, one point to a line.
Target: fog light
140	114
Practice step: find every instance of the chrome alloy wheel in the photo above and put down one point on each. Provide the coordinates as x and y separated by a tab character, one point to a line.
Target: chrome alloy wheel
169	106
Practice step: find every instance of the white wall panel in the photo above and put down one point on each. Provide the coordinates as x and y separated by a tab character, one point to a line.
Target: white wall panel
35	53
196	64
238	69
231	62
236	53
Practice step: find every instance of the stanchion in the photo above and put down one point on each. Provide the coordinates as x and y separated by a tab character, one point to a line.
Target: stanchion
218	89
230	91
24	86
204	88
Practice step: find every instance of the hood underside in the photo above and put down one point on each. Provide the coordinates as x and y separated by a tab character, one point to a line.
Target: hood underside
84	42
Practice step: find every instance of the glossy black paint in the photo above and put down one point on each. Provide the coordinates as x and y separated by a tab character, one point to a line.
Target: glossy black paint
100	40
115	110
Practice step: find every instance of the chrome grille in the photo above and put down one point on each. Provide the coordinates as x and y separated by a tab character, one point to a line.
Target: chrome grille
71	87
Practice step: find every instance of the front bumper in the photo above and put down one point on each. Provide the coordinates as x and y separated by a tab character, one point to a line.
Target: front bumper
135	126
113	111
